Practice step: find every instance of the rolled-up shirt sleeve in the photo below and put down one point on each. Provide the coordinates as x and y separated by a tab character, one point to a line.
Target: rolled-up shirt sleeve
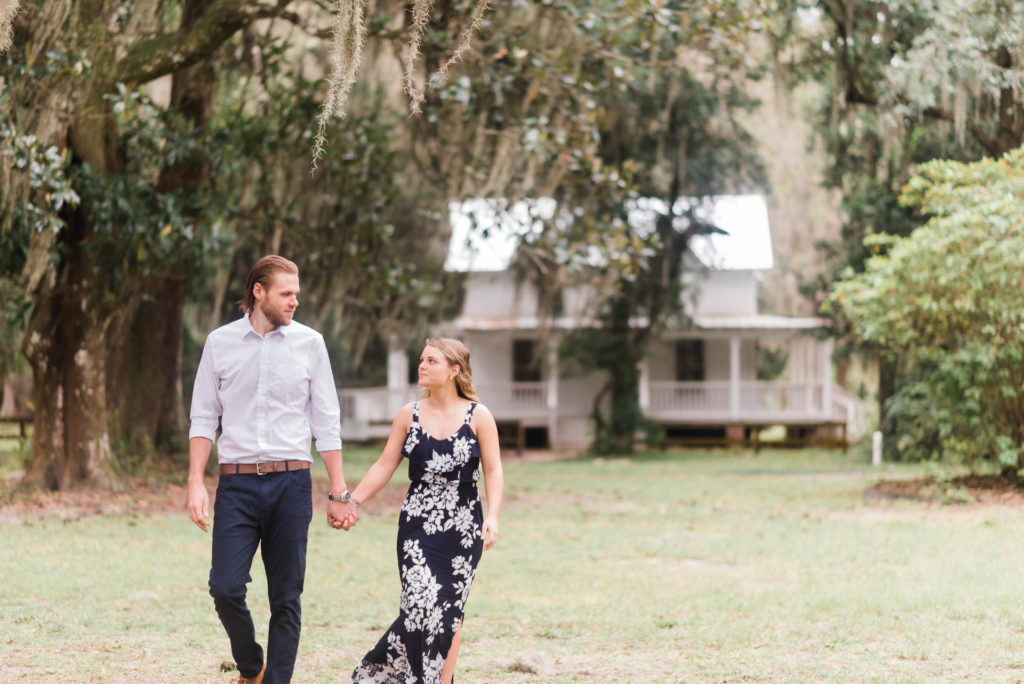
324	409
206	408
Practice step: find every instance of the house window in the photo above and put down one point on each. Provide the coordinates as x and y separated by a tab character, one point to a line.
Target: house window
525	361
689	360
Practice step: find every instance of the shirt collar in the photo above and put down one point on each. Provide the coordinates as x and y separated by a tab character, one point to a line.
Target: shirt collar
247	328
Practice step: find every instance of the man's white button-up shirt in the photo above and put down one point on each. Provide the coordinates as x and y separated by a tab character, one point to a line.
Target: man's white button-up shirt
270	394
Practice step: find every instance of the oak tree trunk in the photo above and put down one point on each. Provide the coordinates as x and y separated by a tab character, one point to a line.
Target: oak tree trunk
66	343
144	382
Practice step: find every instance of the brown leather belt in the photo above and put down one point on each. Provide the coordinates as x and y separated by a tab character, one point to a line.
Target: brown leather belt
262	468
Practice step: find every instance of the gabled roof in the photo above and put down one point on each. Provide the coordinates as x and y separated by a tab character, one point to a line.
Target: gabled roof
745	245
486	232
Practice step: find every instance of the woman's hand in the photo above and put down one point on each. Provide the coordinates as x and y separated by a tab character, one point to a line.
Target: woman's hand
351	519
342	516
489	532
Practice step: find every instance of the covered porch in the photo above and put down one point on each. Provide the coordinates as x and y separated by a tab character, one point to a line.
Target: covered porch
730	395
552	409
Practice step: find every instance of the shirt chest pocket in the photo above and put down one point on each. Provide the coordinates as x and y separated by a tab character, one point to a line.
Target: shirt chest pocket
290	382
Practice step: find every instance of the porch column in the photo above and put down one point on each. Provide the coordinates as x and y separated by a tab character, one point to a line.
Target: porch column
553	373
645	386
398	376
734	377
826	377
810	373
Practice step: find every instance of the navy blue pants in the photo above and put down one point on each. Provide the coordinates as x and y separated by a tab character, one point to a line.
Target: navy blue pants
273	512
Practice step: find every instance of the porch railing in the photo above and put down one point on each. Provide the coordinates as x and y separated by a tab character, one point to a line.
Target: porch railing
711	400
374	404
748	400
516	399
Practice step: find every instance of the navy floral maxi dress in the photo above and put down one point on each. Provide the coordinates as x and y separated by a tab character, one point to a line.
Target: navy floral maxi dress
439	546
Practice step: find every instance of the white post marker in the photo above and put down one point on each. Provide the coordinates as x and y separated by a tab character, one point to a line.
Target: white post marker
876	448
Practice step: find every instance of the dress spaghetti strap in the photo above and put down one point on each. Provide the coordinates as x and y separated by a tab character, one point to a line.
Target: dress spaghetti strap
469	413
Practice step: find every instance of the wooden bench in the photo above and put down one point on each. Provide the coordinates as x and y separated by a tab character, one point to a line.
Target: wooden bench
21	421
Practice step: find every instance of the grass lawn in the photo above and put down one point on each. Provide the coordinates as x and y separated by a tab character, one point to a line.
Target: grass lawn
696	566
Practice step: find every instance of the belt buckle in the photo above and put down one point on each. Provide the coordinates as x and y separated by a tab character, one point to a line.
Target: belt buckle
258	471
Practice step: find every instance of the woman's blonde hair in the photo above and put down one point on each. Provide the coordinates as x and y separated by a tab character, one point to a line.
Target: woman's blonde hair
456	354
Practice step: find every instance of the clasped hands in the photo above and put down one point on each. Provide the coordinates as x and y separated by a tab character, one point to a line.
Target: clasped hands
342	516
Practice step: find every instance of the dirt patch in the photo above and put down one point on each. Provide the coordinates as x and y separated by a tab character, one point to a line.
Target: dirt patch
966	489
156	495
146	496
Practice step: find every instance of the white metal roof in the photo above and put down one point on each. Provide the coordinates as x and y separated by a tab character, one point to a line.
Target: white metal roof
486	232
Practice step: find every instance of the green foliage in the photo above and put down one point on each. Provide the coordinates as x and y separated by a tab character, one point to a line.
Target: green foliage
965	61
613	348
51	190
771	361
138	227
949	301
903	83
872	144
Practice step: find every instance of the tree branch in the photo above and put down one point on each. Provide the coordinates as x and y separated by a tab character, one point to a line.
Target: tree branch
991	145
161	54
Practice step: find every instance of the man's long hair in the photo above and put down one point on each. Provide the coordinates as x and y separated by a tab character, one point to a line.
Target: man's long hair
261	272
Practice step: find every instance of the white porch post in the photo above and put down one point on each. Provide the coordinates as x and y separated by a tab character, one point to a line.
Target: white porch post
826	377
645	386
552	403
734	377
398	377
810	373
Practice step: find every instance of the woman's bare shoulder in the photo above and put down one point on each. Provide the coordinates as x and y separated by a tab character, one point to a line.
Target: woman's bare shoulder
482	412
404	415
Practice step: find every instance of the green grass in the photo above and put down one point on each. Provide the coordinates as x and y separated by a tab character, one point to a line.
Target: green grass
714	566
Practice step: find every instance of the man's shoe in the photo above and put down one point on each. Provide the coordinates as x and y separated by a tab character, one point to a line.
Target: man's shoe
252	680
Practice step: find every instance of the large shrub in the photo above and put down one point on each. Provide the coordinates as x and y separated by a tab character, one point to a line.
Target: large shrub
948	301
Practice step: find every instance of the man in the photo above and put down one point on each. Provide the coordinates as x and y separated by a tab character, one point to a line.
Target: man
268	381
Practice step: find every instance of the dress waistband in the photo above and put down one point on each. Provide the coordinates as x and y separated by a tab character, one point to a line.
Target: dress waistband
445	483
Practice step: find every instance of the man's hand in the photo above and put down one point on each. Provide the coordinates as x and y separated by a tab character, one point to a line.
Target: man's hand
342	516
198	504
349	522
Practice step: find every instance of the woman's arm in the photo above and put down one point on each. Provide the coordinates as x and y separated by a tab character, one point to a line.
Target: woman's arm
494	478
381	471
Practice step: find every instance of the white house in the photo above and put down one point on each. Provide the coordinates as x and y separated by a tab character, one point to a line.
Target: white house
697	382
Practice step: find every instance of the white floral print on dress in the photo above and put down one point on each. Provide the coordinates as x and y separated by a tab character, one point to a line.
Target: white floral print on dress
439	547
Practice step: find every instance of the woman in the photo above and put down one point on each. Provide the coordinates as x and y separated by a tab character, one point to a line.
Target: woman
442	531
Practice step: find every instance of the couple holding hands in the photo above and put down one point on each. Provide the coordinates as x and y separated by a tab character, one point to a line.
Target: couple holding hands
266	381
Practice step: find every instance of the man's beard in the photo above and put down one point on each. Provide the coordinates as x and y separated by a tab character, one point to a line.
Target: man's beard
276	319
